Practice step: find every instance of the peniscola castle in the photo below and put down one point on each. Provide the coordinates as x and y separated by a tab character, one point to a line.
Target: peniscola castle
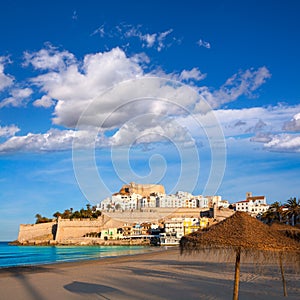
139	214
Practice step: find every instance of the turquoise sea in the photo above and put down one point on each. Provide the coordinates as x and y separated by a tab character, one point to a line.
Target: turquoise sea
13	256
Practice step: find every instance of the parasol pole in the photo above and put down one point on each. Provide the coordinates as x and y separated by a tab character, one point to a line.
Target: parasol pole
282	275
237	274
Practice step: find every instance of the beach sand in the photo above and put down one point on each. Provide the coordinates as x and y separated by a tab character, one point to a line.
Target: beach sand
162	274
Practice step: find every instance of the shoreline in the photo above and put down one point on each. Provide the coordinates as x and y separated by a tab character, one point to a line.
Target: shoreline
83	242
75	263
126	250
162	274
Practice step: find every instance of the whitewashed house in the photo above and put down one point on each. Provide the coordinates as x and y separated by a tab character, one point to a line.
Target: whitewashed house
253	204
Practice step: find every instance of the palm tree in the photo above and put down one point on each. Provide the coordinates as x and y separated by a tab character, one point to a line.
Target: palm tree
66	214
38	218
294	209
76	215
273	213
57	215
276	208
83	213
267	216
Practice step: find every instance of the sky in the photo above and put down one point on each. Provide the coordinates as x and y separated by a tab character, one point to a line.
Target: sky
200	96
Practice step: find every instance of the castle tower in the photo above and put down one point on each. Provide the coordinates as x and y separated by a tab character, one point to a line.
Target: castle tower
248	195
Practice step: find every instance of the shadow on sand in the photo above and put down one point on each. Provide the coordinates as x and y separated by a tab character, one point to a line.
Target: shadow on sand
20	273
79	287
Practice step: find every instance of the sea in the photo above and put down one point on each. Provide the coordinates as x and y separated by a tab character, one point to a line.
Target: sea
16	256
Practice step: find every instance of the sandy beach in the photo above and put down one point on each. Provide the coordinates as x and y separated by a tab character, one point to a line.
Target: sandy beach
161	274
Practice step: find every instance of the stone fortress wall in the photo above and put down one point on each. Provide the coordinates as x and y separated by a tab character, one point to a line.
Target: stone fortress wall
63	229
41	232
71	231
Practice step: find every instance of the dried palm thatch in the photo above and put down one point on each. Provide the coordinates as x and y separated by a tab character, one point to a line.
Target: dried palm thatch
244	235
288	230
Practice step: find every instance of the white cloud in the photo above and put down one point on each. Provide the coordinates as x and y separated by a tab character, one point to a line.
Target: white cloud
149	128
261	137
53	140
142	123
5	79
149	39
202	43
240	121
284	143
136	131
264	122
8	131
243	123
260	125
75	88
194	73
293	124
100	31
19	97
161	39
45	102
49	58
155	40
242	83
109	90
140	58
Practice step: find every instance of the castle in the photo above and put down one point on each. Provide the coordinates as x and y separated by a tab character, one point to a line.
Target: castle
145	190
128	217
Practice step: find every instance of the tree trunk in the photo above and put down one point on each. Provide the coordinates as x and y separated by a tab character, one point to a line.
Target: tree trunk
282	276
237	275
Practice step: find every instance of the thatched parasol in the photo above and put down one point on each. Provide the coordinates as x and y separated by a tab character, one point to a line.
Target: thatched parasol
242	234
288	230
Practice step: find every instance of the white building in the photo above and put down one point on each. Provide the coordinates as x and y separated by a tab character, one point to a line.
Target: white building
168	201
120	201
174	231
124	201
104	204
253	205
212	200
145	202
180	199
176	228
202	201
224	203
190	203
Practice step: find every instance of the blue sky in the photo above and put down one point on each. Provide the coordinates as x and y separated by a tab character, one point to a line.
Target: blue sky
201	96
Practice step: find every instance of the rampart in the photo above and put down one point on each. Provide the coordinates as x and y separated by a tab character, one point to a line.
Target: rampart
66	231
37	232
69	229
63	229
